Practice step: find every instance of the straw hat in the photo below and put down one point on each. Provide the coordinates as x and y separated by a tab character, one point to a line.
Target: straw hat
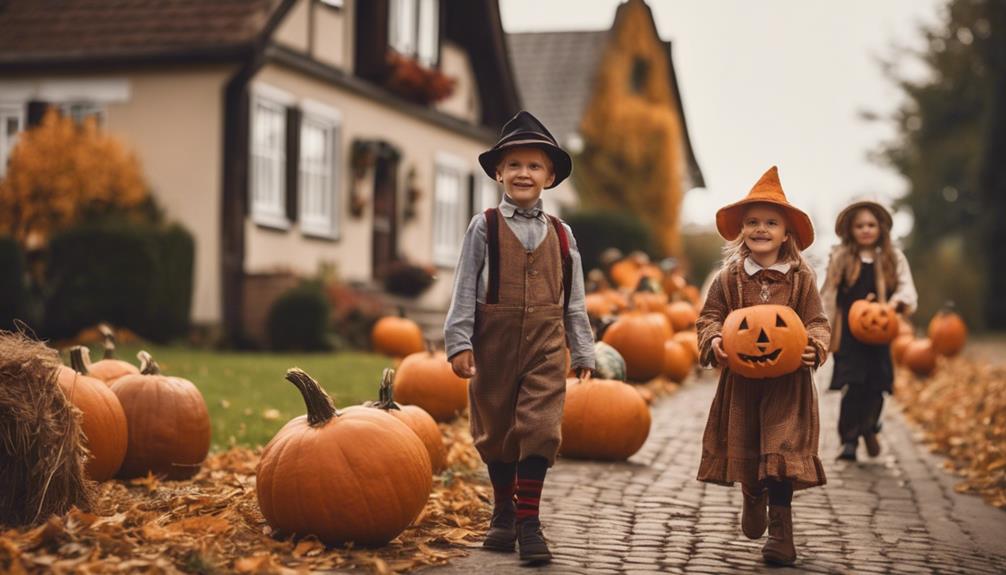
768	190
526	130
842	221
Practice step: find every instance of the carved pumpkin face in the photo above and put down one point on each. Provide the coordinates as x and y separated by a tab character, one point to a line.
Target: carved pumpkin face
764	341
873	322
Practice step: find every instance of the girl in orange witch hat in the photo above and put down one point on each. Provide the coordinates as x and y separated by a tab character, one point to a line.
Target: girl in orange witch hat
864	263
764	433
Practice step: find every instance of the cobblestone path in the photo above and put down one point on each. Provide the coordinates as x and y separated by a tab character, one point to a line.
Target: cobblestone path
895	514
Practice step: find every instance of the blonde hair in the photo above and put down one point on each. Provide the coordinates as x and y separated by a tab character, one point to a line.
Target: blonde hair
736	250
885	262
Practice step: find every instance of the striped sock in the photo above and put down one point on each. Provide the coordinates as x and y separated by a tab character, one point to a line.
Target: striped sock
530	480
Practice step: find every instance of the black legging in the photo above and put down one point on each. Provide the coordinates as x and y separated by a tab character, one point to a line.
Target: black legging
860	412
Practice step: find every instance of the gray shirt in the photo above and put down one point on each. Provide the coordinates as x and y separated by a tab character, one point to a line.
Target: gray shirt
472	277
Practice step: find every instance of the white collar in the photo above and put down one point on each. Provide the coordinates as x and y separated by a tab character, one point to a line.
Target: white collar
752	267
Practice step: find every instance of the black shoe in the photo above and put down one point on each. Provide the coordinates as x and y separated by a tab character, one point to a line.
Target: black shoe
502	533
533	549
848	452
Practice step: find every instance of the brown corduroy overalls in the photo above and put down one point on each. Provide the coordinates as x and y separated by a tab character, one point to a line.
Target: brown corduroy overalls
517	394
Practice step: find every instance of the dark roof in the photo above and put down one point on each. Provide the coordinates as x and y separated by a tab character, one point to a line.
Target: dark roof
555	75
49	31
556	71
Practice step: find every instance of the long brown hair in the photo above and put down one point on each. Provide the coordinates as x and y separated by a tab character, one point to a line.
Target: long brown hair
886	263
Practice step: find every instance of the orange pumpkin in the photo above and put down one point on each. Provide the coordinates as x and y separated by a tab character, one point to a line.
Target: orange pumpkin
693	295
677	361
673	283
416	418
103	422
690	340
873	322
920	357
898	347
598	305
356	475
948	333
109	369
649	301
639	337
603	419
169	426
396	336
427	380
625	273
682	315
764	341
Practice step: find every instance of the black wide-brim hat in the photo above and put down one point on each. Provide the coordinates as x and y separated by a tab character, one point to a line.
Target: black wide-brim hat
526	130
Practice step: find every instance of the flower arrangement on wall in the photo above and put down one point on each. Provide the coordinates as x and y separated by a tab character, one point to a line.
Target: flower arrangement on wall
415	82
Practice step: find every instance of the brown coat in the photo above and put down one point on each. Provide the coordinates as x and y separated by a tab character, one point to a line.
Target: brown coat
760	429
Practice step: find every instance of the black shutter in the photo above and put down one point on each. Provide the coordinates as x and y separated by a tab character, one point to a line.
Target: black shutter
471	195
371	39
293	118
36	111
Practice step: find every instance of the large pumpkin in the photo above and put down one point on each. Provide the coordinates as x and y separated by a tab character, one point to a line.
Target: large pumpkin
420	422
427	380
625	273
356	475
103	422
763	341
920	357
899	345
396	336
109	369
603	419
873	322
169	427
649	301
677	361
690	340
598	305
608	363
639	337
948	333
682	315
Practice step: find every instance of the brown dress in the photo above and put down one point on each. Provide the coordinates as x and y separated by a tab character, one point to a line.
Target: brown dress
518	392
759	429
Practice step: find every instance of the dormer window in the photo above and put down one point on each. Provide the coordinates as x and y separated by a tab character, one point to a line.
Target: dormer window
414	28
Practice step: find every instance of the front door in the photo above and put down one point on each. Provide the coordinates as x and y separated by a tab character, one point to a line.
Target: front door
385	242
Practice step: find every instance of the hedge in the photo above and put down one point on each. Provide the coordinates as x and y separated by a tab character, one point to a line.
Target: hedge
596	231
13	292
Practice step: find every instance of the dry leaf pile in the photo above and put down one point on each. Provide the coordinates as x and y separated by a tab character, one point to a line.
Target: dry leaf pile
962	410
212	524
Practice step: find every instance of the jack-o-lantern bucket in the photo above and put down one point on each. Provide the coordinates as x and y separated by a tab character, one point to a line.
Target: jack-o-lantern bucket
873	322
764	341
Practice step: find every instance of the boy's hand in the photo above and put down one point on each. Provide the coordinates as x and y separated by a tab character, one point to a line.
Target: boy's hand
463	364
809	356
721	356
584	373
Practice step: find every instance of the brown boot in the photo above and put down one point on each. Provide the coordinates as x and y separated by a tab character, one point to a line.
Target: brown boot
872	445
502	533
779	549
754	515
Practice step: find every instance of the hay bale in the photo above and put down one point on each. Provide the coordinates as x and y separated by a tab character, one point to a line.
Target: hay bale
42	451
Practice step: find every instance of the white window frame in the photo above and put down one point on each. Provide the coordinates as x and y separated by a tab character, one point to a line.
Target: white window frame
319	184
79	110
487	194
7	142
449	208
268	206
414	29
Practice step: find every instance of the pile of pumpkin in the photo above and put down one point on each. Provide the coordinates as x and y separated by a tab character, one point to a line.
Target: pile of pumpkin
946	336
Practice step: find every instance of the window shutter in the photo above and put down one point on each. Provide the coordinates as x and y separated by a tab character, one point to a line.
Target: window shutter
371	39
293	116
36	111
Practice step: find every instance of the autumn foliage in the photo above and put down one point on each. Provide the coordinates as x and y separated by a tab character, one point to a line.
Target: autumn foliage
60	173
633	155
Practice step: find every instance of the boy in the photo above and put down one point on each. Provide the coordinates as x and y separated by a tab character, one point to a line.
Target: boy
518	298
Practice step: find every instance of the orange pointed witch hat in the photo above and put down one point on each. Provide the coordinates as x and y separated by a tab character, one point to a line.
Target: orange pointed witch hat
768	190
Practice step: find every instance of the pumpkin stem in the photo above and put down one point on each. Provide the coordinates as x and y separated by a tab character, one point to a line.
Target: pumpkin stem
147	364
319	405
401	311
80	358
386	397
109	336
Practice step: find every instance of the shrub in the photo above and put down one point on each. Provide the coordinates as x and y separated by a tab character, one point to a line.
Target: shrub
408	279
299	319
13	295
354	313
133	276
596	231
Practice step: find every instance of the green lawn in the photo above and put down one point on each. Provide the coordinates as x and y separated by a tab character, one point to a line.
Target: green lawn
247	396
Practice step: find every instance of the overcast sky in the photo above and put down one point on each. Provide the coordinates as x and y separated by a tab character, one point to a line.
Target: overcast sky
773	82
